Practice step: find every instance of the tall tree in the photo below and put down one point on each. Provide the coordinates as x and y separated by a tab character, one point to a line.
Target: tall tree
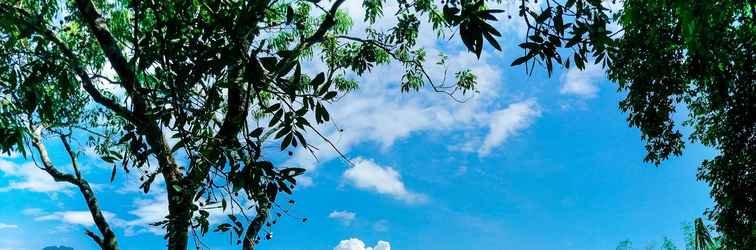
697	55
193	79
199	88
669	55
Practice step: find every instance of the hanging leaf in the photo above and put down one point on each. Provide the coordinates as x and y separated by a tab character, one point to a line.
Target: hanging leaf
289	14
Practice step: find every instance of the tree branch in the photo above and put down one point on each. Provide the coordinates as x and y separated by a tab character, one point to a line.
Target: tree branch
29	20
254	227
108	240
98	27
109	46
326	25
155	137
72	155
96	238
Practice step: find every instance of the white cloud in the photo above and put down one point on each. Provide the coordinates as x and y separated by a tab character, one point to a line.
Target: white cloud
8	226
507	122
147	211
83	218
582	83
27	176
381	226
154	209
367	175
32	212
10	155
344	217
357	244
379	113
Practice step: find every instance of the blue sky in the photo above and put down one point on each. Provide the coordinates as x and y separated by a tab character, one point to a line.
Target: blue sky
530	162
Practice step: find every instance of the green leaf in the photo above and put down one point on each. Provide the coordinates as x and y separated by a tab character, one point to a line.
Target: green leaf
319	79
273	108
293	171
257	132
286	141
521	60
492	41
113	174
276	118
297	75
289	14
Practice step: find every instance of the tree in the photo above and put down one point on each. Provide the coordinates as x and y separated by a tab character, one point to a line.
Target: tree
669	55
697	55
200	88
696	238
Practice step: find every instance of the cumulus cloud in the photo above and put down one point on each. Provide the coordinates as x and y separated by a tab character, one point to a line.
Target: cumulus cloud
357	244
83	218
379	113
344	217
582	83
367	175
7	226
508	122
28	177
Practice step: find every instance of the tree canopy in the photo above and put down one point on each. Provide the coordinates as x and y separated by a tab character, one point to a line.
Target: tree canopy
696	57
193	91
199	88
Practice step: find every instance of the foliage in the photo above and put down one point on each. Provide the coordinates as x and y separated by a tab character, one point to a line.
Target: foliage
696	55
669	55
576	27
200	88
693	241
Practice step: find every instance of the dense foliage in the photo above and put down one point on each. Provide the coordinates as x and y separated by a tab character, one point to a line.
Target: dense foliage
697	56
199	88
193	91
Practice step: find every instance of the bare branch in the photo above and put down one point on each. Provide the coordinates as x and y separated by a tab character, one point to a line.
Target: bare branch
108	241
72	155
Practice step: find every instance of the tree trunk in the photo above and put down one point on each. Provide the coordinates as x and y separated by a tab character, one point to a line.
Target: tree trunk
254	227
180	216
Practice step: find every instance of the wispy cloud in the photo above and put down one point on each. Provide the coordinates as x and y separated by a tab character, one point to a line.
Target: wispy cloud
508	122
582	83
146	211
381	226
32	211
83	218
154	208
367	175
28	177
379	113
7	226
345	217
